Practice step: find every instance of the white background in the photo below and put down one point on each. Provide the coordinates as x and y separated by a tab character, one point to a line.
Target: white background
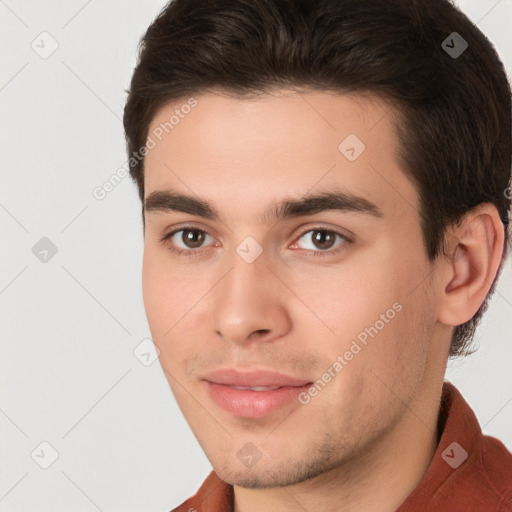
68	375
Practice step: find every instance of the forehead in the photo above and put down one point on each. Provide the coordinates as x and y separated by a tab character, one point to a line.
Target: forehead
240	152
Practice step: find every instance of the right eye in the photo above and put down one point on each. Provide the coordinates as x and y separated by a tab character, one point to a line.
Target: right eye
186	241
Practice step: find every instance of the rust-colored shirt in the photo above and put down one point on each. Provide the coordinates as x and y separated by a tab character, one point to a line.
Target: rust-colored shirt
470	472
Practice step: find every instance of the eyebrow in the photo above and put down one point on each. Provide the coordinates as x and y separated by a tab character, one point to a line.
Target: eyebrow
168	201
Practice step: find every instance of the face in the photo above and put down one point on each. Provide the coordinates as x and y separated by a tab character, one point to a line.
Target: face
289	291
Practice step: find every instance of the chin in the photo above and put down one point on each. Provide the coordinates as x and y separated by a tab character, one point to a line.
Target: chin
264	476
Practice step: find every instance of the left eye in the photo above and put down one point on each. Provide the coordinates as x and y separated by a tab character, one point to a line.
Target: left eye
322	239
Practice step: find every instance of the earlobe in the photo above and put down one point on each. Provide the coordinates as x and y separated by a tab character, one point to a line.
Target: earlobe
470	265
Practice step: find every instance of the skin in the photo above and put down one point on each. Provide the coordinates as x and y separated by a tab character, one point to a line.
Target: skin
366	439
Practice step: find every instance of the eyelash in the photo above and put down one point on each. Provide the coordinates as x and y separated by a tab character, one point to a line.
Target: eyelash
196	252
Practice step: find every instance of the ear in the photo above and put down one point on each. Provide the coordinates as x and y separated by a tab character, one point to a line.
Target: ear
472	256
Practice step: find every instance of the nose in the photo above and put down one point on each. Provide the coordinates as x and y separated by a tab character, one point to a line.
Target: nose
250	304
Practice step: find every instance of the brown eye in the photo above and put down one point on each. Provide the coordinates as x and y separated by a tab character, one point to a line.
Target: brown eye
322	241
192	238
187	241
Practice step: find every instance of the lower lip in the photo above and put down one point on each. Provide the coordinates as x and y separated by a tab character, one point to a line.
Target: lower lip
253	404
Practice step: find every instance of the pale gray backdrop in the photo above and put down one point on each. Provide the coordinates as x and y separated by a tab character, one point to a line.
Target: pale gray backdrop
86	422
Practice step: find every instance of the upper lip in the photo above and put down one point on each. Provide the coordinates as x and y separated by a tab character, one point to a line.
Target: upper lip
253	378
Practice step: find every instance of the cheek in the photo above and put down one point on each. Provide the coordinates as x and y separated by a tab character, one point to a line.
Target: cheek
169	289
369	311
395	327
351	297
172	295
154	288
164	295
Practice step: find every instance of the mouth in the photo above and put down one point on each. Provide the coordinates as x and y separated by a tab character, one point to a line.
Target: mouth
257	388
253	394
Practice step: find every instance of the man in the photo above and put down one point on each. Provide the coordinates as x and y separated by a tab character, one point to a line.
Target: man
326	190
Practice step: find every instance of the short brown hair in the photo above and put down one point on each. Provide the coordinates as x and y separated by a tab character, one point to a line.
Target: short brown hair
455	110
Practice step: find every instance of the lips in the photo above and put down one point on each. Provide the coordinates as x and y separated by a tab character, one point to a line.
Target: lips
253	378
257	388
255	393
